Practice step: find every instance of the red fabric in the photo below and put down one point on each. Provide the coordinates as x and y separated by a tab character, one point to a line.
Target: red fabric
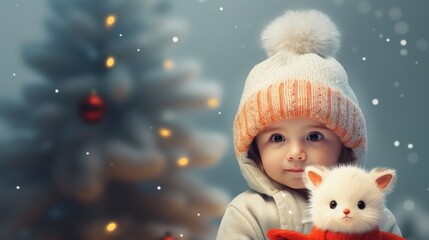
317	234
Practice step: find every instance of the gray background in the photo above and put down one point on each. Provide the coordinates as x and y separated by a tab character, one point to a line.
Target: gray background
227	44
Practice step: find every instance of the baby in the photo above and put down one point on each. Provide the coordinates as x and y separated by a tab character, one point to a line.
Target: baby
297	109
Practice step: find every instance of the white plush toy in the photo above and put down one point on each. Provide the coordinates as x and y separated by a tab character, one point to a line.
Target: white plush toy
345	203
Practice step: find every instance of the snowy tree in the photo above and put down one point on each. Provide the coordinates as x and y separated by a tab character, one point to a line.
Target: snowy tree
102	150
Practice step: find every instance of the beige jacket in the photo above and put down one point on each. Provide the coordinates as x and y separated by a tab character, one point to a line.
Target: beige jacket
268	205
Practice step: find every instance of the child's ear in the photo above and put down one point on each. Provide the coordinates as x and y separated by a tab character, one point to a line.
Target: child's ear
383	178
314	176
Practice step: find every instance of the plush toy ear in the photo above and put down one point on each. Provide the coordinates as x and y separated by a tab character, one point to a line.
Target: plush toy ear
383	178
313	177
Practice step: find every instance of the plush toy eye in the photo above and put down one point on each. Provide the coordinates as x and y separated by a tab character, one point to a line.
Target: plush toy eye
333	204
361	204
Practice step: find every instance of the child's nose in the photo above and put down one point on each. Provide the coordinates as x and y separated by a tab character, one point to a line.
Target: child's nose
296	152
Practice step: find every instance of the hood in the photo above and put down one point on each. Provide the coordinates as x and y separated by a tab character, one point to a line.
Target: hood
255	177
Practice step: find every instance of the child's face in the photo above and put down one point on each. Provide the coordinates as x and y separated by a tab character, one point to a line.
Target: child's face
287	146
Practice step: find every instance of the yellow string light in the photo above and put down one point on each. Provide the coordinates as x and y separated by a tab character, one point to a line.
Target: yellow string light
164	132
110	20
110	61
182	162
110	227
213	102
168	64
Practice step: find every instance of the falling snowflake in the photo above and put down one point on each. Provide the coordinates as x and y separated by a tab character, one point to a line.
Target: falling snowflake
409	205
396	143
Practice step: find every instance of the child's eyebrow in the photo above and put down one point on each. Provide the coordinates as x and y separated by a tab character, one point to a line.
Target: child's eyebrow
271	129
317	126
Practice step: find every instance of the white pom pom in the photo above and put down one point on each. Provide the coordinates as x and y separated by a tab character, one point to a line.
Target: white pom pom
302	32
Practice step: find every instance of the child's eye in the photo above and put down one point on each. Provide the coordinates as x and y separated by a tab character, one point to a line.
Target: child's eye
277	138
314	136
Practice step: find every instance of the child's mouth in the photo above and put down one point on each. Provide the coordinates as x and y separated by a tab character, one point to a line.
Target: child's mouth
295	170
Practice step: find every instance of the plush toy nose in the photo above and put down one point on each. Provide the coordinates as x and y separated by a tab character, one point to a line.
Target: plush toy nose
346	211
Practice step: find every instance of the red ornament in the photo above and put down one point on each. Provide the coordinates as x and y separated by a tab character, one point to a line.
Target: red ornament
92	108
168	236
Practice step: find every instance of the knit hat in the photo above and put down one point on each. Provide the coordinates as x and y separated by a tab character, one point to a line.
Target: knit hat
300	79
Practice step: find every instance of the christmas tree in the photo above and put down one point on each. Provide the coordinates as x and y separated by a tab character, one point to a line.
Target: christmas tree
102	150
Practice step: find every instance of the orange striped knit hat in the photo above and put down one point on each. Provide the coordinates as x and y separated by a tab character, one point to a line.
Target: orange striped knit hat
300	79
